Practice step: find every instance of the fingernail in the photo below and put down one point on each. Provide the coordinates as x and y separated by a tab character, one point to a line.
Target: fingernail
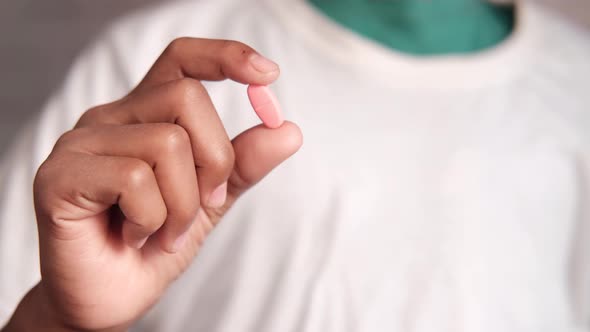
218	196
263	64
180	241
139	244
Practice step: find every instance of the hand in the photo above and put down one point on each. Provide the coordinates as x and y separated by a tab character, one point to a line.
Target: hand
126	199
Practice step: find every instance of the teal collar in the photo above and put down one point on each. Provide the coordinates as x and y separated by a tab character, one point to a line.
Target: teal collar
424	27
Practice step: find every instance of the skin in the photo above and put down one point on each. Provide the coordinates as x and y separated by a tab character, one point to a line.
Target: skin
125	200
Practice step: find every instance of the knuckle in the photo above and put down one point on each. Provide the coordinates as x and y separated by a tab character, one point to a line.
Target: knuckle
174	139
94	115
69	138
222	158
138	174
185	92
177	45
50	185
86	118
45	173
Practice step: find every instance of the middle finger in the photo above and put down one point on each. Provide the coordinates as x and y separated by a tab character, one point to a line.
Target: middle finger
184	102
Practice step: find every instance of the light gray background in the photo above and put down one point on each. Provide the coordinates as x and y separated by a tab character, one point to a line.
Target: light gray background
39	39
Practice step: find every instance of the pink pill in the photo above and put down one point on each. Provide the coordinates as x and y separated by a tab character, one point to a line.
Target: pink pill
265	105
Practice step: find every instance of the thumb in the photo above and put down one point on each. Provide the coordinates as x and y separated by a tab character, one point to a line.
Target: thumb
258	151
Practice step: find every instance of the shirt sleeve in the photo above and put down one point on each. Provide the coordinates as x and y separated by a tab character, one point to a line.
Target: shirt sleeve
97	77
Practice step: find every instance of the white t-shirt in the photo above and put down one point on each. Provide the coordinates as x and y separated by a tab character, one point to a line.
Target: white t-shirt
431	194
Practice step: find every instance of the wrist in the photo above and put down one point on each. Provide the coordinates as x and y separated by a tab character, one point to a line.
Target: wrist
34	313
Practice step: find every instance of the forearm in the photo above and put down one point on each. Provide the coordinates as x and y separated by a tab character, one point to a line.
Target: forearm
34	314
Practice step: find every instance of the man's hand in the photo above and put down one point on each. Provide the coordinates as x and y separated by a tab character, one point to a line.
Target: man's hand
126	199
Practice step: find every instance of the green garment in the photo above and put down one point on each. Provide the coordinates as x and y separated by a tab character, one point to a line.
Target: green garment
424	27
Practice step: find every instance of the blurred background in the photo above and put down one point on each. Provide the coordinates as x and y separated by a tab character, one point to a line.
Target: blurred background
39	39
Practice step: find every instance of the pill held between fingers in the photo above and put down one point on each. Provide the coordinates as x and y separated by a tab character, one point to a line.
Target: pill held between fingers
265	105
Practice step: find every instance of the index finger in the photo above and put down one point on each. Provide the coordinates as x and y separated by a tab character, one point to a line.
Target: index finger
210	60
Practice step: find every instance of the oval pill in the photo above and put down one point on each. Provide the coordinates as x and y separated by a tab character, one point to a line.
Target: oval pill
265	105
